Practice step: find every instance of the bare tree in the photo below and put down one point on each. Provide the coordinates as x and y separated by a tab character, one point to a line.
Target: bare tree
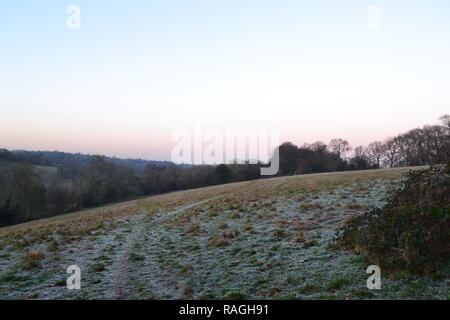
375	152
339	146
359	161
318	146
360	152
391	151
445	119
445	151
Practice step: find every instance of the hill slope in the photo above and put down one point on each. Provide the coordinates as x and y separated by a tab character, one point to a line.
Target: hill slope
259	239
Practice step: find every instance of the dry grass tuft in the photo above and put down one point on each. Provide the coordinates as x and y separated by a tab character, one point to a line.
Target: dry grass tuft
299	237
194	228
218	242
52	245
222	225
32	260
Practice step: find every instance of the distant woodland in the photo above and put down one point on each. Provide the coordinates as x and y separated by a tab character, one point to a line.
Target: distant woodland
38	184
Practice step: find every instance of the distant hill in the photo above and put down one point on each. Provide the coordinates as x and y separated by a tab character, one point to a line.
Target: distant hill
59	159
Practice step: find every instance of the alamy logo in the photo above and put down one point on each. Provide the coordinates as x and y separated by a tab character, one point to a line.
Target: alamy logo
73	21
74	281
374	20
374	281
211	146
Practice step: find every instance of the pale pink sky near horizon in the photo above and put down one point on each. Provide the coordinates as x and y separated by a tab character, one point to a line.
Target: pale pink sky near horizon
132	75
159	145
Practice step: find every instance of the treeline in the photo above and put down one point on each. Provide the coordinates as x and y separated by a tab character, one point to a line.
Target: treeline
422	146
28	192
69	164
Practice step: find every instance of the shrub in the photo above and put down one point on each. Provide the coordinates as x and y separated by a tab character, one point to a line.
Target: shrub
412	231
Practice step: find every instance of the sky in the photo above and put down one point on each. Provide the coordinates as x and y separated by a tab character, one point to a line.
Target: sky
137	71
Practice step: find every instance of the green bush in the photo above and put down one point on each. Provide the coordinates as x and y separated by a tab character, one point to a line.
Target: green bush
412	231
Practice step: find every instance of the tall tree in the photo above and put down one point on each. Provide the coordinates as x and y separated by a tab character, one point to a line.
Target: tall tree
445	119
340	146
391	151
375	152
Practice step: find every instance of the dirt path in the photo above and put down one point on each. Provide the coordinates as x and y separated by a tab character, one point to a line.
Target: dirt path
122	289
140	230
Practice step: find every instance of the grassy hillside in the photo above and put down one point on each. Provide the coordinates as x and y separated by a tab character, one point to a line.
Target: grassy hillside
260	239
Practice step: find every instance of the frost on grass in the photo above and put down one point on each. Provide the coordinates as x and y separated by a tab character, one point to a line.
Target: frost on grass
265	239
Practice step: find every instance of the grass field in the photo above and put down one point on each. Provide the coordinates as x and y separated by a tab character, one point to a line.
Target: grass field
266	239
47	169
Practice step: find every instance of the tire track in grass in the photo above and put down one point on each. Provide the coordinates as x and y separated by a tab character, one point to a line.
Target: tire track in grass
151	276
122	290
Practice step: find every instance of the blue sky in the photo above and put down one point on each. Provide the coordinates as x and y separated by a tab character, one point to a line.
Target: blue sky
138	70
